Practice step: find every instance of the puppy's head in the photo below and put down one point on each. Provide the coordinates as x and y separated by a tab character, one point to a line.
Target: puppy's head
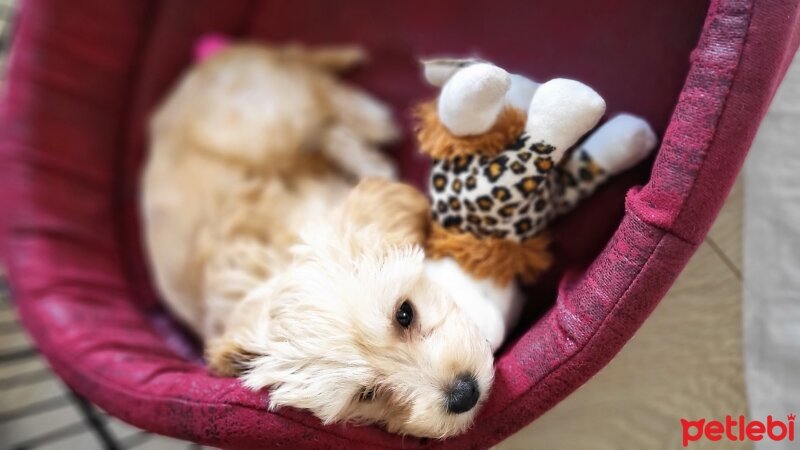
354	331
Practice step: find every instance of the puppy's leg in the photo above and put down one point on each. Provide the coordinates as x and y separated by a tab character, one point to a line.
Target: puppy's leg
229	353
361	123
472	99
352	154
238	267
560	112
369	118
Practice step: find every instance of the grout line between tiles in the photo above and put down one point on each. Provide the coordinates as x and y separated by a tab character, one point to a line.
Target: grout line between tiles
727	260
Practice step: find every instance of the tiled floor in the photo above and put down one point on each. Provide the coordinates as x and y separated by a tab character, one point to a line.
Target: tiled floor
38	411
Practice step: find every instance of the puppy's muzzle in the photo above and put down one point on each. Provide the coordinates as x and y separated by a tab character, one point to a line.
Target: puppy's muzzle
463	395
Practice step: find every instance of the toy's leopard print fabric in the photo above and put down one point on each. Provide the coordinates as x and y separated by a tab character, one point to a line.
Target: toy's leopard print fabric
514	194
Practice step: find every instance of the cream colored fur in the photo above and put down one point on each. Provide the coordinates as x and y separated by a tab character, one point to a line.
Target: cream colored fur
262	239
494	307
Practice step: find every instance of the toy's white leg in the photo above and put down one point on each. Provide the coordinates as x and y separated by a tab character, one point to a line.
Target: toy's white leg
562	111
620	143
495	309
472	99
521	92
617	145
575	180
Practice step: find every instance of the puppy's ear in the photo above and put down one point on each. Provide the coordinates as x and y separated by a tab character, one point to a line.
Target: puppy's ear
398	211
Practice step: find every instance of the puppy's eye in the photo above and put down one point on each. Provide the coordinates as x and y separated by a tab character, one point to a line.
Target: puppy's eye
405	314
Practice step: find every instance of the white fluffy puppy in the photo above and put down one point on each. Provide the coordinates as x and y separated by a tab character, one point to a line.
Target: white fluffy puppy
298	277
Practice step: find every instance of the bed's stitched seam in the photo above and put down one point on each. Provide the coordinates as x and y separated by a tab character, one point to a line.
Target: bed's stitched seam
662	229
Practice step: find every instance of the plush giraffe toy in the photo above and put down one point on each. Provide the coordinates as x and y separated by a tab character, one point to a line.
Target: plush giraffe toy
504	167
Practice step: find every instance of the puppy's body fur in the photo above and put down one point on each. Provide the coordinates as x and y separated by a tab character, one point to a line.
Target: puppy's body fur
268	238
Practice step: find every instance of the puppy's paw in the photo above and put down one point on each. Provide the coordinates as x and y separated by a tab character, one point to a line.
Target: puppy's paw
226	358
621	143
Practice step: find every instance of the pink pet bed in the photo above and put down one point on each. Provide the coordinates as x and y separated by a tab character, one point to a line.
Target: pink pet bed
84	79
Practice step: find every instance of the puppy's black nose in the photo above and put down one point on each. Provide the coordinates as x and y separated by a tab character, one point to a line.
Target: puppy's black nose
463	395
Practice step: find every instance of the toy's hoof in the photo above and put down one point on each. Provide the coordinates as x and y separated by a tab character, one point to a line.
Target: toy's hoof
562	111
473	98
437	71
621	143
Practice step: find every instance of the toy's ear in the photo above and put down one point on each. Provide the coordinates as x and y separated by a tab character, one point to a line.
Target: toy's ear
438	70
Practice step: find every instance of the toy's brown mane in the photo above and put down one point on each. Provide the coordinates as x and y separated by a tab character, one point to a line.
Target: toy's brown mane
497	259
436	141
